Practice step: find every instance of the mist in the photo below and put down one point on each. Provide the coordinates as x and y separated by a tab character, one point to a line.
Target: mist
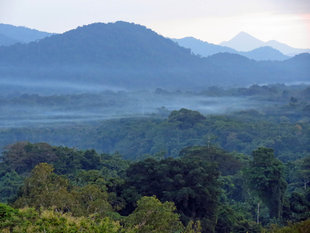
36	110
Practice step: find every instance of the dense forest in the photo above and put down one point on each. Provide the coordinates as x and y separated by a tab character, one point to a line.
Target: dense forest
204	189
241	170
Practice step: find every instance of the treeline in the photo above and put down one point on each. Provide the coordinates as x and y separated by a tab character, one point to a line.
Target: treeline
132	137
278	117
203	189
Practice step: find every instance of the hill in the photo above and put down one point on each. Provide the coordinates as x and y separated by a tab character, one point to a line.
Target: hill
206	49
101	44
202	48
286	49
265	53
14	34
245	42
6	41
131	56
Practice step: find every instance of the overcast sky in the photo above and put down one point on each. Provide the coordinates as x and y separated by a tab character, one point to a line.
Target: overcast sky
214	21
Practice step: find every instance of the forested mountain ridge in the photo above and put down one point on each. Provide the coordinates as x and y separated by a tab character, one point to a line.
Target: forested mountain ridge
101	44
14	34
131	56
265	53
5	40
246	42
206	49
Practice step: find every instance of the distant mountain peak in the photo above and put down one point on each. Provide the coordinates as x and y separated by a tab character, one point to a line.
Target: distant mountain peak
206	49
245	42
242	34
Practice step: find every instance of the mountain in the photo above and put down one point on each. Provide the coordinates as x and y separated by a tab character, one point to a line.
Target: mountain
14	34
245	42
285	49
6	41
202	48
264	54
206	49
102	44
132	56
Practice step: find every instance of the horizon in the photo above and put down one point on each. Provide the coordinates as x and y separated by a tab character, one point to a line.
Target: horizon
219	43
215	22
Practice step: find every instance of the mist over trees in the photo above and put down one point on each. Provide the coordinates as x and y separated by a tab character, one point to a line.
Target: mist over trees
114	128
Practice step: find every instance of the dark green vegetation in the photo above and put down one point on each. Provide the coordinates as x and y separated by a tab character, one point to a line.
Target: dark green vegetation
166	171
76	158
124	55
204	189
271	116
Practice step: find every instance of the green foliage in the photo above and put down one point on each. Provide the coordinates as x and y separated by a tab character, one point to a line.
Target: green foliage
19	159
28	220
23	156
10	182
7	216
304	172
300	227
228	163
190	183
298	206
206	186
45	189
185	118
193	227
153	216
283	128
265	177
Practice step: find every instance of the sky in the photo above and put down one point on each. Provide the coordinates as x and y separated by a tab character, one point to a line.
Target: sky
214	21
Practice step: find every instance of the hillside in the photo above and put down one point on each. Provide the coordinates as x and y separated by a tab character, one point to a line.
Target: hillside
6	41
19	34
245	42
206	49
202	48
265	53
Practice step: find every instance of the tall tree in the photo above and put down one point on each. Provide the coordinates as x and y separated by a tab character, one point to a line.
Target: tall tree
265	178
153	216
43	188
304	172
192	184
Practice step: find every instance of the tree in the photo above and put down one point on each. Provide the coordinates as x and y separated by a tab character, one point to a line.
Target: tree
153	216
304	172
9	185
192	184
265	178
46	189
30	221
24	156
186	118
43	188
